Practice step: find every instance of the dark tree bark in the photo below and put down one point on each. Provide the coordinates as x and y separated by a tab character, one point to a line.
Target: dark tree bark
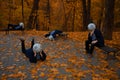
65	20
86	13
109	19
11	12
23	11
73	21
69	16
47	16
32	22
101	15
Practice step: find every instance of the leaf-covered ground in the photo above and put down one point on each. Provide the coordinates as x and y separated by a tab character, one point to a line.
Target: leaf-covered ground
66	58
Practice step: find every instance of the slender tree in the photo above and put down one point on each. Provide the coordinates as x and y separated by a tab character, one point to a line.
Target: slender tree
101	14
73	21
32	22
86	12
65	20
109	19
23	11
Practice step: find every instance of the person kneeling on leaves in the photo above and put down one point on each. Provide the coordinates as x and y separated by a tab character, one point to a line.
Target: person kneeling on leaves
34	53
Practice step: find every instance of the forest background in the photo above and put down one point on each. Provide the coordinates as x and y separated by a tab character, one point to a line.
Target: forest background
66	15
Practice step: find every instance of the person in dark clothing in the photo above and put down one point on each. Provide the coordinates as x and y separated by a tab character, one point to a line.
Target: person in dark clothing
52	35
20	26
95	38
34	53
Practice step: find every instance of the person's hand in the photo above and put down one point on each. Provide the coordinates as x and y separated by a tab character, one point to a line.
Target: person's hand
34	53
93	42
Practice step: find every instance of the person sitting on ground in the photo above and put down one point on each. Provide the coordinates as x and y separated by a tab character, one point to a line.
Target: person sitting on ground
52	35
95	38
34	53
20	26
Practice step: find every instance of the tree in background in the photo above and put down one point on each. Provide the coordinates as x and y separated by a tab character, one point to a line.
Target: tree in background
109	19
86	13
32	22
101	15
23	11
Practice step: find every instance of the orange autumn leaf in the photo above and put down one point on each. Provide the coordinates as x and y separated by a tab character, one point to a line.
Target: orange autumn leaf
42	74
50	79
34	71
17	75
4	77
63	65
22	67
10	67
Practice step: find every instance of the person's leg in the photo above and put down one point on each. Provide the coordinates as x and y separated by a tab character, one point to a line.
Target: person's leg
87	46
32	43
92	48
46	35
59	32
43	56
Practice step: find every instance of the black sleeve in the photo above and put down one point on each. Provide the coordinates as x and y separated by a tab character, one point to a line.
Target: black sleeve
43	57
99	36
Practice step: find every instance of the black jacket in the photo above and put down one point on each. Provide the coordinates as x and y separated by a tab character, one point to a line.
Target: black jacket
33	59
99	37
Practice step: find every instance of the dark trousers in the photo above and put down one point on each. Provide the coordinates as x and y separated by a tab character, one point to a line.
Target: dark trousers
90	47
57	32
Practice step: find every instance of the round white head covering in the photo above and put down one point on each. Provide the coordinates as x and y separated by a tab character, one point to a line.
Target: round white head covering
91	26
51	37
21	24
37	47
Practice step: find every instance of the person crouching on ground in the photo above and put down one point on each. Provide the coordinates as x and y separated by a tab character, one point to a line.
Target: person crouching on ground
95	38
34	53
52	35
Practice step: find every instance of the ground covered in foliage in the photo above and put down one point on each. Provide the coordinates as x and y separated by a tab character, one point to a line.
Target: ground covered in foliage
66	58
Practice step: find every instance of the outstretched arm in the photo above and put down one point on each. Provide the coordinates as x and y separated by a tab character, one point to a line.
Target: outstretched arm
32	43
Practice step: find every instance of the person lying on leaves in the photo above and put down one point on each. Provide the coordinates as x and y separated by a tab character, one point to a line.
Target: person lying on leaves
19	26
52	35
34	53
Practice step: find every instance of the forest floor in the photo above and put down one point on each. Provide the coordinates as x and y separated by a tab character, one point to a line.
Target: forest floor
66	58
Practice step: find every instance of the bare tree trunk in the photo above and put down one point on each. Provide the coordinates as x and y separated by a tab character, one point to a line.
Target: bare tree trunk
65	20
73	21
109	19
86	13
23	11
48	9
10	11
99	22
32	18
